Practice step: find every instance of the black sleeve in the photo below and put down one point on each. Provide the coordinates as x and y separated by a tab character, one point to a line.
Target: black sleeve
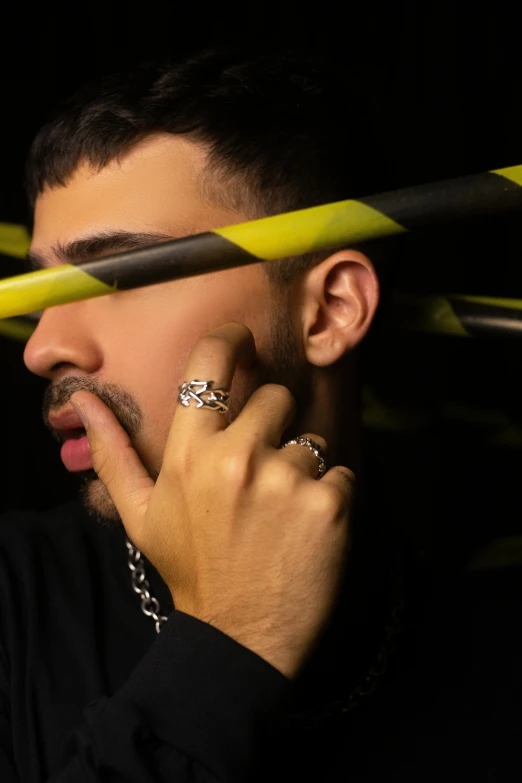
198	707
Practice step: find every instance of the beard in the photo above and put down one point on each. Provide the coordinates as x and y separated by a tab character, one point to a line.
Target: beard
282	363
93	493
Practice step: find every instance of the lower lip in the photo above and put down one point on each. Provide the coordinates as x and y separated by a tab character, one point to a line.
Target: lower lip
76	454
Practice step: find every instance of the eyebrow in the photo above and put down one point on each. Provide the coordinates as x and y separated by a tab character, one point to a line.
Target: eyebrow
86	248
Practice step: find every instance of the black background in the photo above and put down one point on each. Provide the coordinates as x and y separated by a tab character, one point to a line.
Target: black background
444	87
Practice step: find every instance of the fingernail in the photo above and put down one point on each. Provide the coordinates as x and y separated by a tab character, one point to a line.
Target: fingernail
80	412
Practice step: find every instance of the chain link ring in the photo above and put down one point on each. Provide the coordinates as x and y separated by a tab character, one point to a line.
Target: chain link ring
314	448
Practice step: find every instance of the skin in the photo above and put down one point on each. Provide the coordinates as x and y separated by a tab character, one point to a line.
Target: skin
128	353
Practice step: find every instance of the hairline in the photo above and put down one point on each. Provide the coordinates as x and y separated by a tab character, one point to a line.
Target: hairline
217	186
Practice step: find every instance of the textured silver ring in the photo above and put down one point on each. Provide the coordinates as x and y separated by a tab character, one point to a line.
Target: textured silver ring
315	448
204	395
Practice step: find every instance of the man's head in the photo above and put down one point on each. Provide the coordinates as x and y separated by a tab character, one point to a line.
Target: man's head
172	151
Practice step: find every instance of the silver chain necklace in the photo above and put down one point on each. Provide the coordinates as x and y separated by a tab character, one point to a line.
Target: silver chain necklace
309	718
149	605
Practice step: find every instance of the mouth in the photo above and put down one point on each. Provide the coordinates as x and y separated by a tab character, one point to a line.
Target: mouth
65	424
73	434
75	451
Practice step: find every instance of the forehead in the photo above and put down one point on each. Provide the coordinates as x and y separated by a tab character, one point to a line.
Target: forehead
154	186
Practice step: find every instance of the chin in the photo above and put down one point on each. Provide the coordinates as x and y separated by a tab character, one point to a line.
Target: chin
97	502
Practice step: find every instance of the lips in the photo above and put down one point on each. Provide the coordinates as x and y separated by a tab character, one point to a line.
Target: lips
66	424
69	430
76	454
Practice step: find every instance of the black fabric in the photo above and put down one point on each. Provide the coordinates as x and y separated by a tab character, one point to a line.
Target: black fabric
90	692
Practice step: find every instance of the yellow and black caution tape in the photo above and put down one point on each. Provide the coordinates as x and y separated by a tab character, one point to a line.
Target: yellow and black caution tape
495	427
19	329
14	240
267	239
456	314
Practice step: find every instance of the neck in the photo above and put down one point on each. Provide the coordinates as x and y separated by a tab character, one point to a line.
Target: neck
332	411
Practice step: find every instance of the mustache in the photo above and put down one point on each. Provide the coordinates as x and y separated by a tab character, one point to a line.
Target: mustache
118	400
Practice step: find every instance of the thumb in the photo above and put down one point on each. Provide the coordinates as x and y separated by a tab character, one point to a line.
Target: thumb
115	460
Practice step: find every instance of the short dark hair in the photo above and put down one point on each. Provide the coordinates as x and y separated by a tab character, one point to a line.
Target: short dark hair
284	131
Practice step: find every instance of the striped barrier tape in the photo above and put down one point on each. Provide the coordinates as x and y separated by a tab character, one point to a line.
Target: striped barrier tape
456	314
268	239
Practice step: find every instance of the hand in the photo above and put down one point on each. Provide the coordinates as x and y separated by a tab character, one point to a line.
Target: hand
240	531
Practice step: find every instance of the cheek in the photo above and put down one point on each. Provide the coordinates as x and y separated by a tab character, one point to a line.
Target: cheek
165	321
155	329
153	367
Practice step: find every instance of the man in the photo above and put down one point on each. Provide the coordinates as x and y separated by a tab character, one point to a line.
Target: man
214	425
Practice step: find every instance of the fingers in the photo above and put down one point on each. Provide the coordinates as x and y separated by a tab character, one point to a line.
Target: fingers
303	456
265	416
214	357
114	459
342	482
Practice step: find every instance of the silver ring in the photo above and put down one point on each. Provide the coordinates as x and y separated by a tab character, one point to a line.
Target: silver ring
315	448
215	399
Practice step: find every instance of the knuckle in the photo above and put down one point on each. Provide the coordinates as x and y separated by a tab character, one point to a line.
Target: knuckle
328	500
348	474
348	478
278	476
236	468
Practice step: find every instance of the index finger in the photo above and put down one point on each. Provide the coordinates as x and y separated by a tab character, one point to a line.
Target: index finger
214	357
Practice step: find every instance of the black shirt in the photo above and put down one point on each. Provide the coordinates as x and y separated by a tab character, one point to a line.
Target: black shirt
90	692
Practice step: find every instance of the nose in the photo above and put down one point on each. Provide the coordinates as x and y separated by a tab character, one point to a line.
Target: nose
64	339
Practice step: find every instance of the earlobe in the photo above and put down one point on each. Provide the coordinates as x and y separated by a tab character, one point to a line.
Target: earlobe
341	297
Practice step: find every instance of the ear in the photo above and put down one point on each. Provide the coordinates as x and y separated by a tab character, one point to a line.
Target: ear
341	295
